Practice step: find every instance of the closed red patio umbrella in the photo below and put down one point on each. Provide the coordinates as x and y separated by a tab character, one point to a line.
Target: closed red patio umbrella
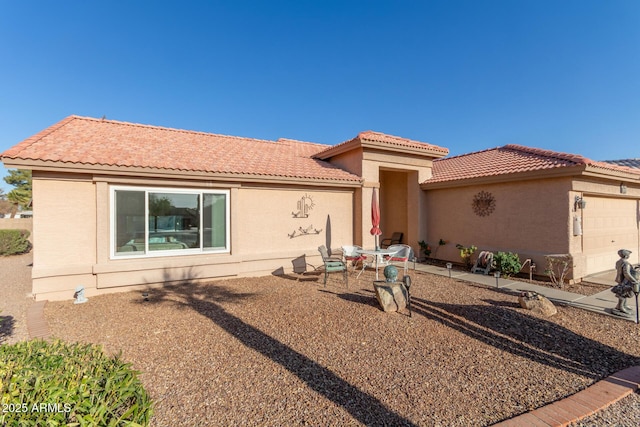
375	217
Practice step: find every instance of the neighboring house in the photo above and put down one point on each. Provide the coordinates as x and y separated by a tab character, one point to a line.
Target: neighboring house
631	163
128	205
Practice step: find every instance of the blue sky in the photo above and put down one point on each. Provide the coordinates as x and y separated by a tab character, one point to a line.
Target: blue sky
466	75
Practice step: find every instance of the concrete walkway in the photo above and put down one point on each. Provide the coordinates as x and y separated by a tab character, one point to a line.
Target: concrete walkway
602	302
590	400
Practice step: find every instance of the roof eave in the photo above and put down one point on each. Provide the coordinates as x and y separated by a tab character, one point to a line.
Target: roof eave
501	178
619	174
357	143
120	171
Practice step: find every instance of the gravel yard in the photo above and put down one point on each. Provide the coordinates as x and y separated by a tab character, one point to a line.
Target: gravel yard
277	351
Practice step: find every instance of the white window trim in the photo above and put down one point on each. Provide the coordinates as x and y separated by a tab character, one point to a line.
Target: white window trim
165	253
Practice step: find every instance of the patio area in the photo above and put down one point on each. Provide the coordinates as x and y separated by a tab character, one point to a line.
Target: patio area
279	351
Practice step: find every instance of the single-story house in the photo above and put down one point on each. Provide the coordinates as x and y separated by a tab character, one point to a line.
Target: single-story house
125	206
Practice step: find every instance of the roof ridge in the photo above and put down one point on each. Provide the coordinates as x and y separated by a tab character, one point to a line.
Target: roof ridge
466	154
400	138
621	160
169	129
298	141
576	158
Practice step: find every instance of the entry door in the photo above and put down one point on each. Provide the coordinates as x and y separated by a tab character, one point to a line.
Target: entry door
609	224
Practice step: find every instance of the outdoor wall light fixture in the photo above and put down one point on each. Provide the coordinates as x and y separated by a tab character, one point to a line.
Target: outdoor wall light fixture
580	203
449	267
79	295
497	276
623	188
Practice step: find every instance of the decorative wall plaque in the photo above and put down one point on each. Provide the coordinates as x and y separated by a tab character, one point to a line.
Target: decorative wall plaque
483	203
305	204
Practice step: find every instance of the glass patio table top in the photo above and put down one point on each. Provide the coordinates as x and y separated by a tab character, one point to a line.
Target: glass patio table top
377	256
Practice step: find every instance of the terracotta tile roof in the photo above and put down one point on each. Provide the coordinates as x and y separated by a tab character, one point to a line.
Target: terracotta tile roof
509	159
95	142
396	140
386	140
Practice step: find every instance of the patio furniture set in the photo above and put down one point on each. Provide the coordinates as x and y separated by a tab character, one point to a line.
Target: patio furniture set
360	259
393	295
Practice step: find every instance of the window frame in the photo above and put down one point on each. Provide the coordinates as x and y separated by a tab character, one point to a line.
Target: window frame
114	255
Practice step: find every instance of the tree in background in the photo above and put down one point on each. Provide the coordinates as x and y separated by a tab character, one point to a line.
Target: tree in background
5	205
20	196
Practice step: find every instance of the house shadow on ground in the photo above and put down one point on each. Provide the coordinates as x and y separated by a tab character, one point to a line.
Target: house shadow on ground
501	325
207	301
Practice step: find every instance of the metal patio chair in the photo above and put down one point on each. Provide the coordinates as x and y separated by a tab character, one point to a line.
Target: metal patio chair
351	255
402	256
333	265
396	238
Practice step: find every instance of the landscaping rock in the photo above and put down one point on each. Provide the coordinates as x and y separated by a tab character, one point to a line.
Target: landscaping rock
392	296
537	303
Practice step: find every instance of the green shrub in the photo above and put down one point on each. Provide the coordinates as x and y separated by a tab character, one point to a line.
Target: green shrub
14	242
465	254
507	263
425	248
558	268
53	383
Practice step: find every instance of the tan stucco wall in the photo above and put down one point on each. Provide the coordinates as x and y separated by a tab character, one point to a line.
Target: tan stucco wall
394	199
72	237
530	219
610	221
64	229
265	221
402	202
534	218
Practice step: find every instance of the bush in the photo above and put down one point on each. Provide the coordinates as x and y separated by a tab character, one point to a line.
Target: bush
425	248
14	242
54	383
507	263
465	254
558	268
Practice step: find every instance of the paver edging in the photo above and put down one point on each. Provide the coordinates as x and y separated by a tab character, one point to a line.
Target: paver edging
36	323
581	404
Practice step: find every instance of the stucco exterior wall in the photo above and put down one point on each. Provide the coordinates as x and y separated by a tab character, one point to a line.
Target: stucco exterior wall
64	230
610	221
267	231
269	223
402	206
530	219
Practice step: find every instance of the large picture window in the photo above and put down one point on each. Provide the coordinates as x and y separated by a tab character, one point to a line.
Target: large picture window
148	221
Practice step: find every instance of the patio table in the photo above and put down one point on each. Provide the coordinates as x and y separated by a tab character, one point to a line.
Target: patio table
377	254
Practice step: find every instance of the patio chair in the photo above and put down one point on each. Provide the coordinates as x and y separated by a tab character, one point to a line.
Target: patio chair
332	265
402	256
351	256
395	239
484	263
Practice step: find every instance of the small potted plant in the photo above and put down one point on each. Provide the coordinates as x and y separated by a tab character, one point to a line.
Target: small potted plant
425	248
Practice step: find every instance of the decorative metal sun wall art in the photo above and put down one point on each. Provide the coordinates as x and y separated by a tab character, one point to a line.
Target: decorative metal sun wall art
483	203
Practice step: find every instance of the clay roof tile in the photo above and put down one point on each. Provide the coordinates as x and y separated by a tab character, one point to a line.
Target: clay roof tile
508	159
89	141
